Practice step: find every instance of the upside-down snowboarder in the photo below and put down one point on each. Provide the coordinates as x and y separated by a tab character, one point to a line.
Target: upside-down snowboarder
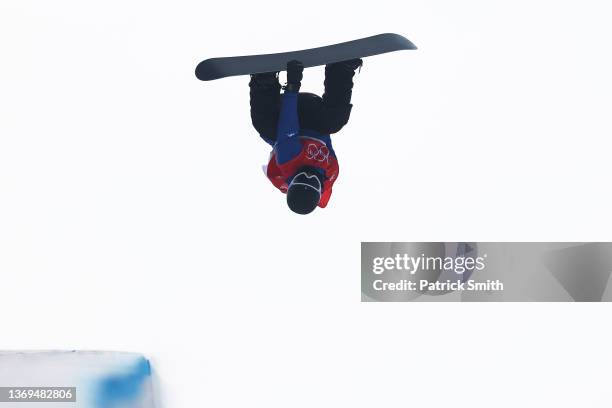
298	126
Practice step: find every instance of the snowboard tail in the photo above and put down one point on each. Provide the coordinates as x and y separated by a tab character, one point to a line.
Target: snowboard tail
216	68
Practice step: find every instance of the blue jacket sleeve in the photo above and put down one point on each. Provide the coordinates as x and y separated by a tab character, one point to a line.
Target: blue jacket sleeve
288	145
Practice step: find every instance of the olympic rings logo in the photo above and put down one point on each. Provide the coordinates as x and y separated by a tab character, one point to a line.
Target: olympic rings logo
320	154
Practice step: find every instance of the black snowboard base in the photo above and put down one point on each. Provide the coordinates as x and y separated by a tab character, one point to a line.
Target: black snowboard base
216	68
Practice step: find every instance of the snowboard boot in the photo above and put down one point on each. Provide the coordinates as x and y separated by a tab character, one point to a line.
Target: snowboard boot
353	64
264	80
349	65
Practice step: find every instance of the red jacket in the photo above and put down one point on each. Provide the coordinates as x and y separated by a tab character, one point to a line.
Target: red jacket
314	153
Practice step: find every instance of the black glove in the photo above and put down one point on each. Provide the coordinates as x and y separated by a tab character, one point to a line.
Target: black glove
294	75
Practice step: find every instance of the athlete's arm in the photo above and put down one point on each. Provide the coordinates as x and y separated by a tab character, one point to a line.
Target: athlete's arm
287	143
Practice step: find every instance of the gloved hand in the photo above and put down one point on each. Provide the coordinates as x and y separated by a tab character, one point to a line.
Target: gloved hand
294	75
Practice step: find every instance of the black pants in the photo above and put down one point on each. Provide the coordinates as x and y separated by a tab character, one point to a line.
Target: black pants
324	115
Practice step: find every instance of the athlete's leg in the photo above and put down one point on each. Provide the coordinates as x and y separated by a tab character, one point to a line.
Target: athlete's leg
337	106
265	103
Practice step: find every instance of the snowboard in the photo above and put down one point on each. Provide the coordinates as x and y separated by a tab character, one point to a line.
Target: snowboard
216	68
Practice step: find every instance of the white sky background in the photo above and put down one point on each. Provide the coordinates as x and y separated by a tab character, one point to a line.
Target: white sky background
134	214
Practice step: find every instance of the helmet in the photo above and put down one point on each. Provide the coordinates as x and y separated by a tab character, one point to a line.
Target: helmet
304	192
